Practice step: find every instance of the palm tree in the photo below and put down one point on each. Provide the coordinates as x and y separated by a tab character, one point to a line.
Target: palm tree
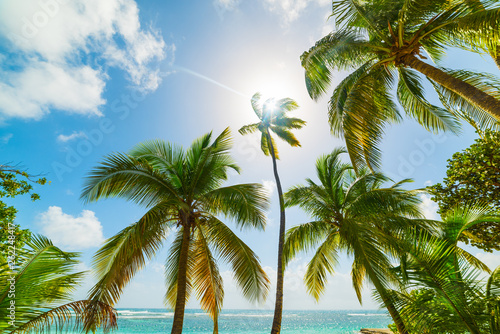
272	118
182	191
437	263
34	294
351	213
383	41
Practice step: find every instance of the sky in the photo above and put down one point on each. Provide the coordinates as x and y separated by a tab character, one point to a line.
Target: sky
82	79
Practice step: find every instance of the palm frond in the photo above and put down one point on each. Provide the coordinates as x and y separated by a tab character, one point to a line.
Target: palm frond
206	278
286	136
121	175
248	273
342	49
245	203
322	264
410	96
126	253
304	237
70	316
172	269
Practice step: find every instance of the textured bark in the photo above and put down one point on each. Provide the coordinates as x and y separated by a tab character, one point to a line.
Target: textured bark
475	96
278	307
180	303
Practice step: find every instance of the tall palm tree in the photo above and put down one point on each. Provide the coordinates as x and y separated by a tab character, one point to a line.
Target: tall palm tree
272	118
351	213
182	191
35	293
384	41
438	263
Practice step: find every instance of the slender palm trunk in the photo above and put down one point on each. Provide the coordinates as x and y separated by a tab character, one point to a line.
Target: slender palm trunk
278	307
387	301
216	323
475	96
180	303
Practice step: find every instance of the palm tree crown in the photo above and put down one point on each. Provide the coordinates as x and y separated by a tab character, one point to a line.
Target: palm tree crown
384	42
351	213
182	191
273	118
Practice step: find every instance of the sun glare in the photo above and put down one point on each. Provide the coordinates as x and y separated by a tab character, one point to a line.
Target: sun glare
270	105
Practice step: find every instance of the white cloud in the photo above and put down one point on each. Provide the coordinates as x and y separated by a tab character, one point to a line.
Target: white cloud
75	135
60	51
290	10
223	6
429	208
269	186
6	138
69	232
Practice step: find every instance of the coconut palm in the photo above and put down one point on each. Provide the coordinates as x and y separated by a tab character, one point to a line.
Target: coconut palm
182	193
437	263
351	213
35	293
272	118
384	41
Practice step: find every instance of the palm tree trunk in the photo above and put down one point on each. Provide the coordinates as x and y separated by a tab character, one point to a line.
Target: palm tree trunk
387	300
475	96
216	323
278	307
180	303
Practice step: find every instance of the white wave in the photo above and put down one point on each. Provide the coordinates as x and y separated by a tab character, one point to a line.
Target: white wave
367	315
132	312
248	315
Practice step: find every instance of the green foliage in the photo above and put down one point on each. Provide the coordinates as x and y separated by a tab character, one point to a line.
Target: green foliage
14	182
382	43
441	290
473	175
34	298
353	214
182	192
427	304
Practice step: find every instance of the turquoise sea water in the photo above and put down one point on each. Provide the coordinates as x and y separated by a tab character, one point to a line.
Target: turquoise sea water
154	321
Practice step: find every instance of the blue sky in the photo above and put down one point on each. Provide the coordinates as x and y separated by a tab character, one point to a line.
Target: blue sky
81	79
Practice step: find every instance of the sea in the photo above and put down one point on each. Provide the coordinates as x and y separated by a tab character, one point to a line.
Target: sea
154	321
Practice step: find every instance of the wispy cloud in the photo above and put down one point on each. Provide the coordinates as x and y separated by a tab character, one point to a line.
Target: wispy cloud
6	138
75	135
60	51
290	10
269	186
222	6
